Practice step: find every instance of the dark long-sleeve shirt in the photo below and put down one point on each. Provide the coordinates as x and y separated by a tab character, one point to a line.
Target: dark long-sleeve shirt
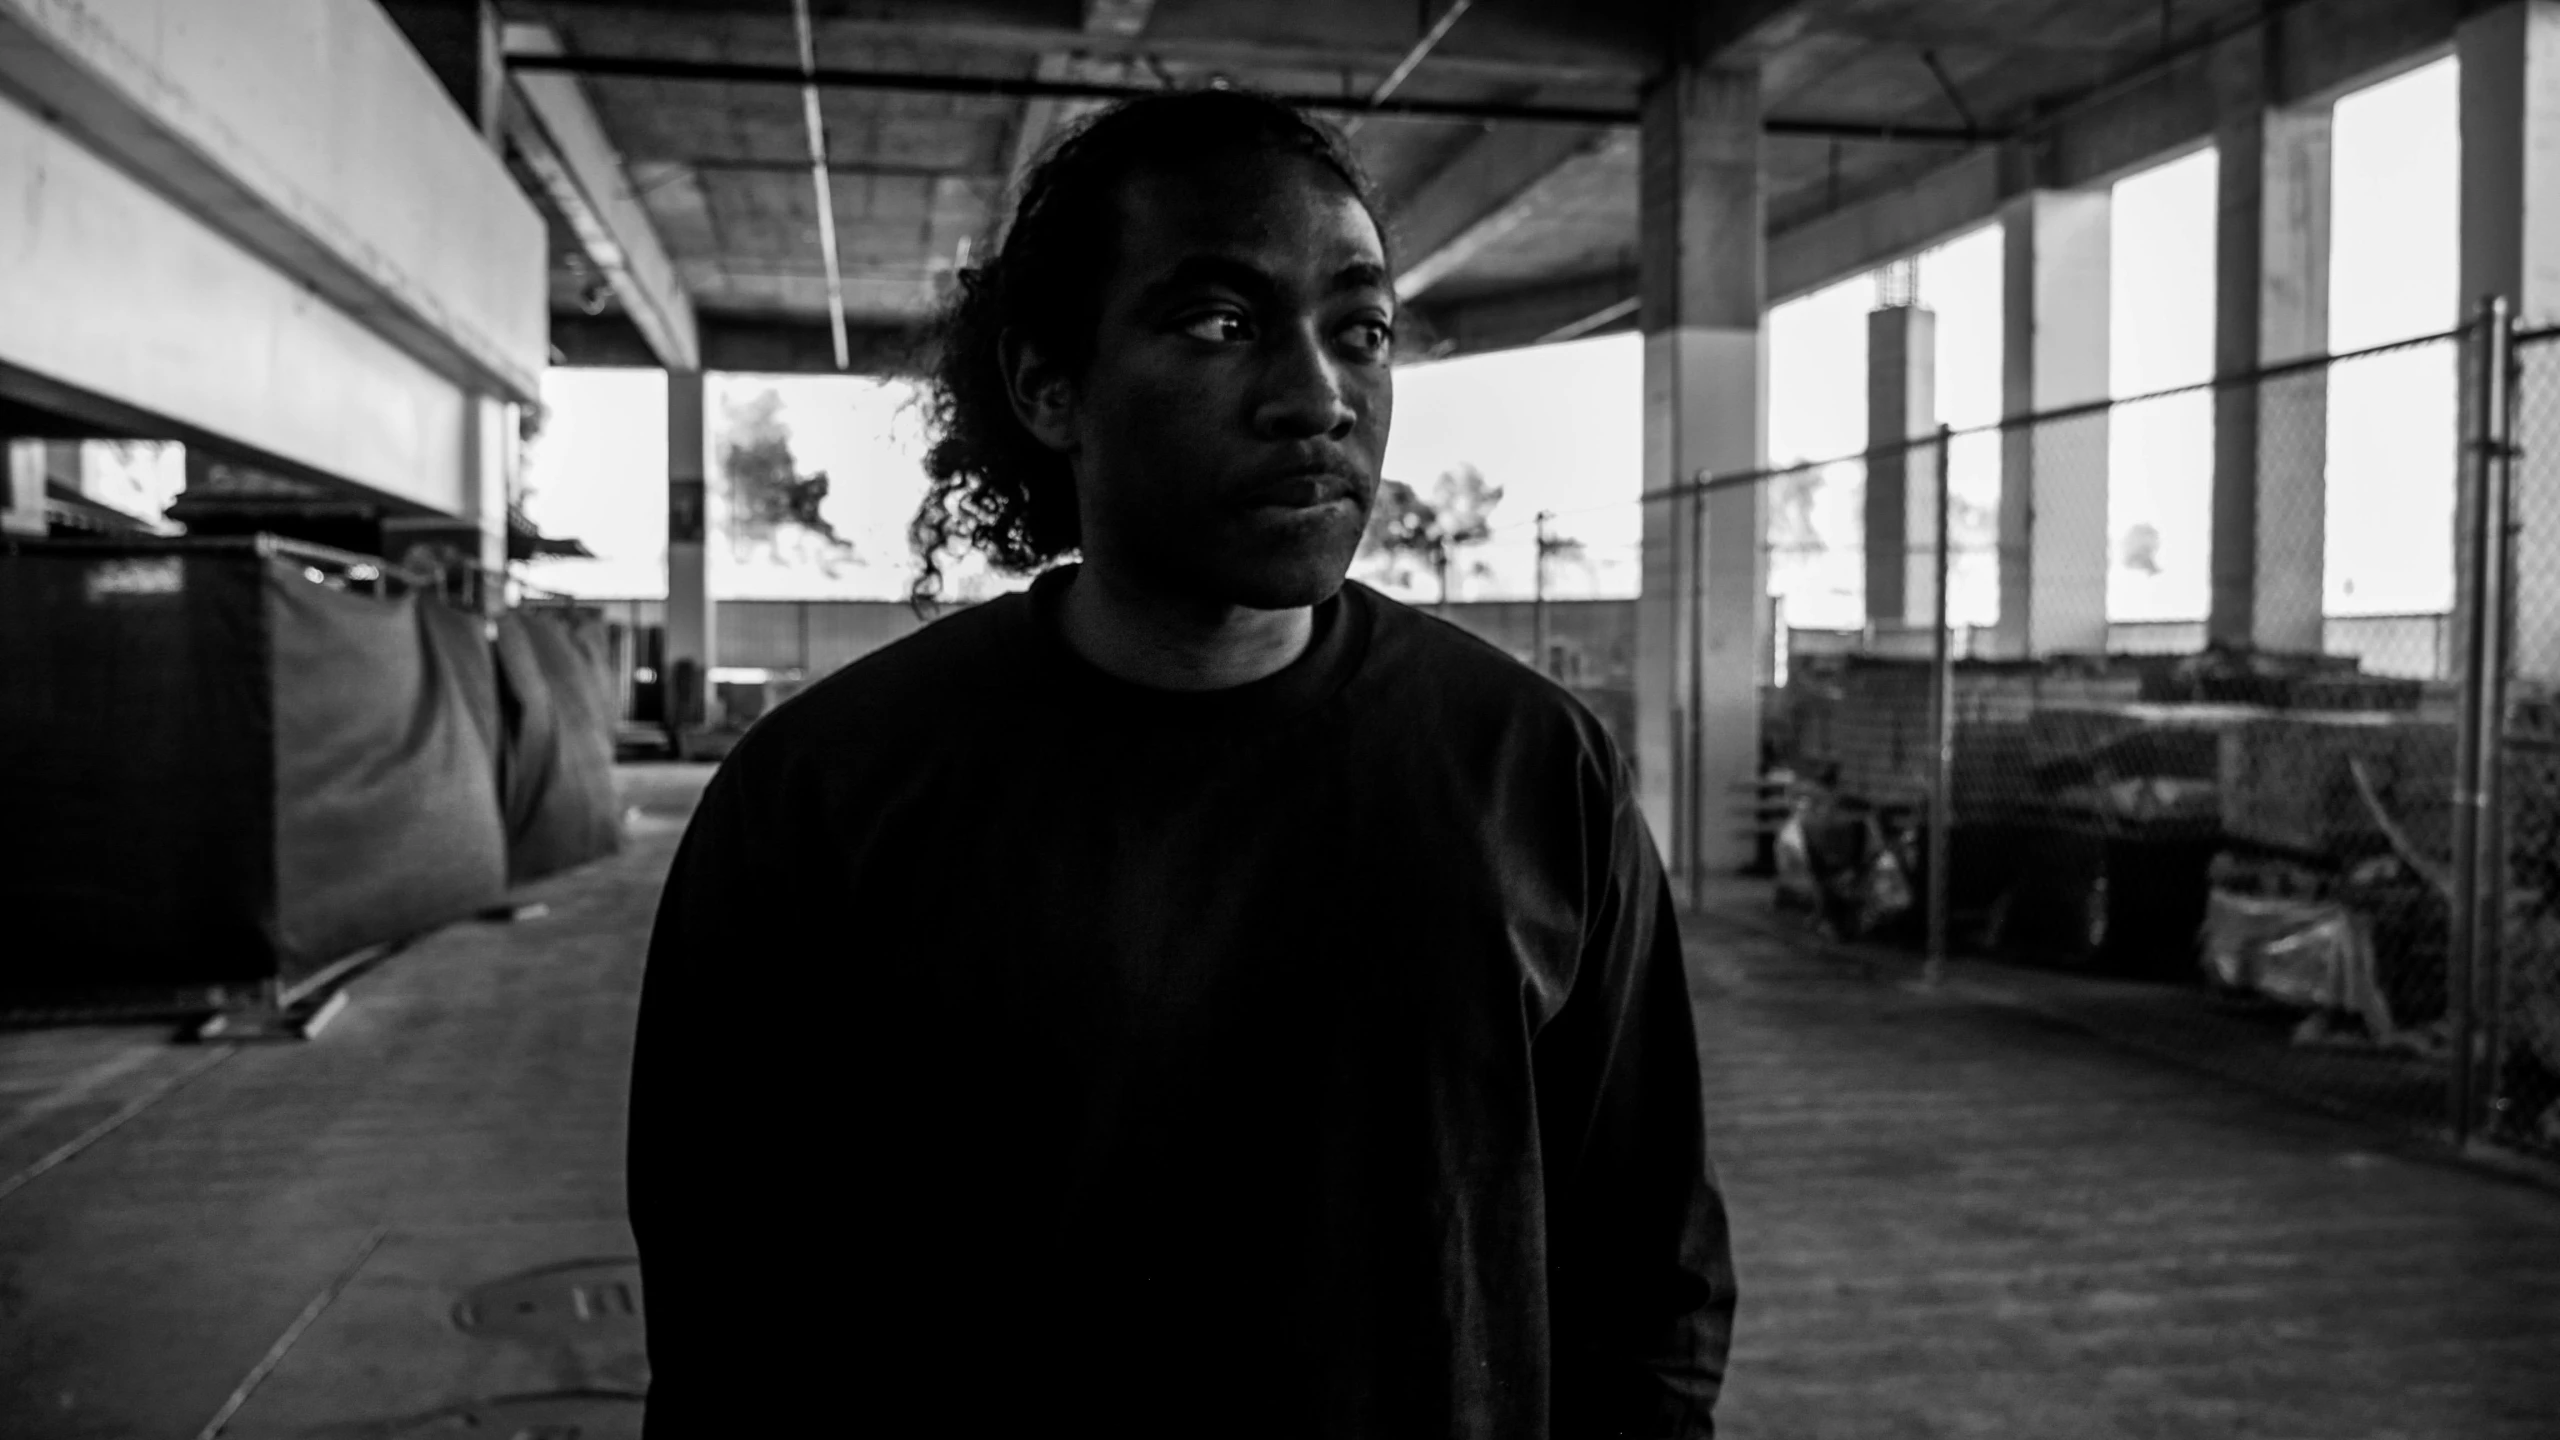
1027	1052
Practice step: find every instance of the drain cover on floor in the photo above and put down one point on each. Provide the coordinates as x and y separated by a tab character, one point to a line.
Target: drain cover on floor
572	1301
561	1415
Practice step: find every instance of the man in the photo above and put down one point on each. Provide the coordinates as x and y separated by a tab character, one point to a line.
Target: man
1196	997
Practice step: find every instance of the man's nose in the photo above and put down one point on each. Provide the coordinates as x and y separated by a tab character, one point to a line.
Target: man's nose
1302	391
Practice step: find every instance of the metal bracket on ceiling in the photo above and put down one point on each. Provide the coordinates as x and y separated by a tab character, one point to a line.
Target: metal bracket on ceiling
1955	98
1413	58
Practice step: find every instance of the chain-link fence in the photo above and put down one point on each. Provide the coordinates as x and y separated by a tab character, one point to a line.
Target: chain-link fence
2521	1008
2204	783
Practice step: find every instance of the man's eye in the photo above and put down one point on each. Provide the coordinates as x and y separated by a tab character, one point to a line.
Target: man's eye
1370	338
1218	326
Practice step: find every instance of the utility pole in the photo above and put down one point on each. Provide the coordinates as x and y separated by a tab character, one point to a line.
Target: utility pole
1545	544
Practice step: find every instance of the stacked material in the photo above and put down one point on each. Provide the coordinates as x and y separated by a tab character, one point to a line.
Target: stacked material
2289	781
1865	724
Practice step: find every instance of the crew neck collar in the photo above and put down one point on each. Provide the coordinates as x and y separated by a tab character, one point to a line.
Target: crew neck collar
1333	653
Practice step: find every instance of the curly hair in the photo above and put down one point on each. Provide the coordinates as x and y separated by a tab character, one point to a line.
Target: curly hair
995	488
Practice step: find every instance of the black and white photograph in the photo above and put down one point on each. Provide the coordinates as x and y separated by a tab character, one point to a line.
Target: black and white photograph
1280	719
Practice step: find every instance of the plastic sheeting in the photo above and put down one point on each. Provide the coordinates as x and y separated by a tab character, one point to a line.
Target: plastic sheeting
2314	953
556	771
221	772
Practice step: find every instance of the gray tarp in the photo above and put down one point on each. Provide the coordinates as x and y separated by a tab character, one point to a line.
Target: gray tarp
219	771
557	771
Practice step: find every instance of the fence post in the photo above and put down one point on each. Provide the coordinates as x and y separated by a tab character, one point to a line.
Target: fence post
1942	734
1695	738
2474	927
2490	946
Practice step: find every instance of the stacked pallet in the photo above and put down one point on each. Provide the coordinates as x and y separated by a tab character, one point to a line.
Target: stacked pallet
2289	782
1865	722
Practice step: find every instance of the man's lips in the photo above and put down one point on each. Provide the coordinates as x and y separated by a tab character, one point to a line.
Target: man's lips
1303	489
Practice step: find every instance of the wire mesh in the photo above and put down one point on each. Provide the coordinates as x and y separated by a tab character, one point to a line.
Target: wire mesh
2521	1033
2202	718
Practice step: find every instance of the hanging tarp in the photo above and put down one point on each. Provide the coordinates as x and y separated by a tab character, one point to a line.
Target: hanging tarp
558	720
385	795
461	641
222	772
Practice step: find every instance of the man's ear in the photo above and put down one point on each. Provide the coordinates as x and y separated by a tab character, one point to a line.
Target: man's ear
1044	400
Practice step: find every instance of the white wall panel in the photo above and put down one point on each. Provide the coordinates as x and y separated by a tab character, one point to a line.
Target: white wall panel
310	130
106	286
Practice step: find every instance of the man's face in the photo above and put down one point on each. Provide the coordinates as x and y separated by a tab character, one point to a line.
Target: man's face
1227	435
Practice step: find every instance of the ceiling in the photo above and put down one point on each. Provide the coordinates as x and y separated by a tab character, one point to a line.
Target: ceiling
1860	95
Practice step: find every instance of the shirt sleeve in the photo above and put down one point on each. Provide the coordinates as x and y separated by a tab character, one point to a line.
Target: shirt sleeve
1640	1263
719	1179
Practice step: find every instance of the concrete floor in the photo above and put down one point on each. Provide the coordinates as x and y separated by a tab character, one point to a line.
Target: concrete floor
1953	1219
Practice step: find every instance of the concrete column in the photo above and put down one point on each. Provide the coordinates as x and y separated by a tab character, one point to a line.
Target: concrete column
2053	476
460	41
489	452
692	632
21	487
2510	61
1902	481
66	465
1700	261
2270	440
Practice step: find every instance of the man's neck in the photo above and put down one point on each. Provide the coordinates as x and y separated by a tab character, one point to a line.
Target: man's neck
1139	634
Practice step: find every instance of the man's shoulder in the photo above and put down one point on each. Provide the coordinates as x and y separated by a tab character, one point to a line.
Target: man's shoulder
1450	655
923	681
1470	678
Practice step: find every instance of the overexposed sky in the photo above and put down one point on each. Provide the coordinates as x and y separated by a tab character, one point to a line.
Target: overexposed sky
598	473
1557	427
1561	427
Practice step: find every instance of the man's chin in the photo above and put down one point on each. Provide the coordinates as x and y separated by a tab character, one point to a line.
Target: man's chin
1272	582
1295	592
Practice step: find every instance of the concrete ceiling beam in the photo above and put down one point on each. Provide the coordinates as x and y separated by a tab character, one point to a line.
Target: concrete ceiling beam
1543	314
749	344
1567	54
1044	116
2319	49
555	130
1493	187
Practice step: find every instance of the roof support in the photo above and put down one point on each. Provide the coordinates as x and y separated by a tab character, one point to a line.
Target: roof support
1043	116
2318	48
562	142
1496	185
1540	315
764	345
1413	59
2315	50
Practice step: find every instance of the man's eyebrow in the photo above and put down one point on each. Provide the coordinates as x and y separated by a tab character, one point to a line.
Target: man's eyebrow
1361	275
1192	272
